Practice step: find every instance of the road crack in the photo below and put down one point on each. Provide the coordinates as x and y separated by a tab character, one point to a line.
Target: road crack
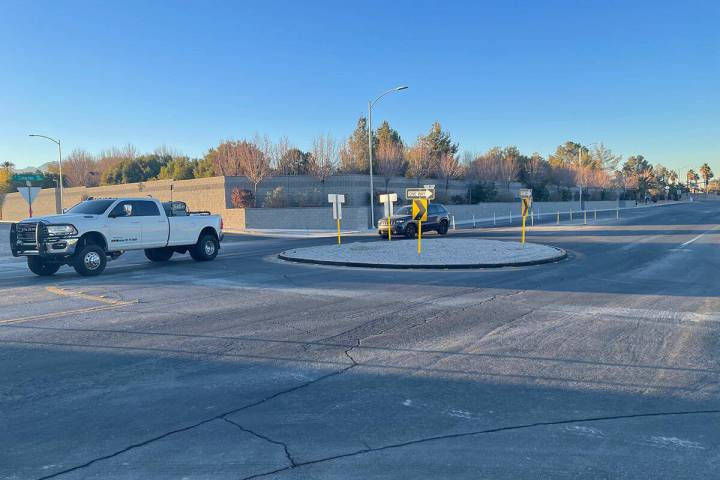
220	416
482	432
267	439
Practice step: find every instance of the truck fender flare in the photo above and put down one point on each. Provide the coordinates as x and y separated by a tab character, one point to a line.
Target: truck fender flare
95	238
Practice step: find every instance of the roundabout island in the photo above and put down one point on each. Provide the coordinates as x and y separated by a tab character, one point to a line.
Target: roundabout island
437	253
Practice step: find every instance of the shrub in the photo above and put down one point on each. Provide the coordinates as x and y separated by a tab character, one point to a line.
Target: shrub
276	198
482	192
504	196
241	198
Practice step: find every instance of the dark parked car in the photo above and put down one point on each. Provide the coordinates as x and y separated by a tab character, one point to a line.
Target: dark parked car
402	223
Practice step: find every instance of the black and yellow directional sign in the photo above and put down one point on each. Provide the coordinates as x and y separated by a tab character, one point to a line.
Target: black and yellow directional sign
419	209
526	204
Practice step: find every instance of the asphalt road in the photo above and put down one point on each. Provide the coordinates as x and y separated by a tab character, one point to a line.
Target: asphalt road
604	365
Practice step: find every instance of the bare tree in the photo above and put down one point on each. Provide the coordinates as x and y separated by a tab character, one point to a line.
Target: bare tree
449	167
323	157
279	155
536	169
167	152
80	169
346	158
509	166
226	158
419	157
390	160
254	158
486	167
110	157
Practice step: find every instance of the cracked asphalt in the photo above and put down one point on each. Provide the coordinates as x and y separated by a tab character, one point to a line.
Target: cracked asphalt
603	365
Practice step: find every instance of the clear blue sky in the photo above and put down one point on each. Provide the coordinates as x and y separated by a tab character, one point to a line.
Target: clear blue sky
642	76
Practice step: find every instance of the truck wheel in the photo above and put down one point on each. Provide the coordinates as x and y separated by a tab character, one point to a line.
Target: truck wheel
443	229
159	254
205	249
411	230
41	267
90	261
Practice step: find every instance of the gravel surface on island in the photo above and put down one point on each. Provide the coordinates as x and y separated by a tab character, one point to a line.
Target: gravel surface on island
436	253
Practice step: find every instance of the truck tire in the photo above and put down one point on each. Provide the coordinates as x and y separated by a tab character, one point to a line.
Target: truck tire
205	249
41	267
90	261
159	254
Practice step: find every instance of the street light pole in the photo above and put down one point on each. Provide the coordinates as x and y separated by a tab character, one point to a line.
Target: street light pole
60	182
371	104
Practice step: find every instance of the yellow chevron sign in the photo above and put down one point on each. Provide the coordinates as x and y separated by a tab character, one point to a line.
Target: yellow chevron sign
419	209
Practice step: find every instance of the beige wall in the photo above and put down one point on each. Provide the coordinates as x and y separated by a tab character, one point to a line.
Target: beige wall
199	194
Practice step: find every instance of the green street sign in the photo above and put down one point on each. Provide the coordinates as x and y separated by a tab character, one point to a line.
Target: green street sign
27	177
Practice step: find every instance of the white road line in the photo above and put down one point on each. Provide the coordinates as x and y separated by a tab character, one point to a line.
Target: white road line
698	237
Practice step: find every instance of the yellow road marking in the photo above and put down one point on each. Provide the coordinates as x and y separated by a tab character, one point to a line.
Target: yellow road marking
66	312
109	305
85	296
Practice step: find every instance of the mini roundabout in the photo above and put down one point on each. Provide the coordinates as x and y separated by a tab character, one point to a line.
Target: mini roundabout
437	253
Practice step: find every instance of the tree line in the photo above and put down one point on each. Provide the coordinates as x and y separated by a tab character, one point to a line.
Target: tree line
432	155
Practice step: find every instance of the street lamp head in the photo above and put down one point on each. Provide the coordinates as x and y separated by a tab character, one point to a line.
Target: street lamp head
402	87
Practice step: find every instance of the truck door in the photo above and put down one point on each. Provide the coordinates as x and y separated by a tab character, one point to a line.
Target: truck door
153	225
123	227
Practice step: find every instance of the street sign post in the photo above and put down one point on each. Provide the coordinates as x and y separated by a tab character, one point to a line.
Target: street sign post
526	204
426	193
337	200
388	200
419	214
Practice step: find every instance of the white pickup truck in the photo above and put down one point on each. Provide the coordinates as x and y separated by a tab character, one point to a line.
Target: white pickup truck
97	230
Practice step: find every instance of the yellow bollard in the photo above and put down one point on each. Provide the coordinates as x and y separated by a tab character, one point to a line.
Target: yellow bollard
419	237
389	229
522	235
338	225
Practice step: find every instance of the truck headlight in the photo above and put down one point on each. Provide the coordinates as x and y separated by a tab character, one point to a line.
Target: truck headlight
61	230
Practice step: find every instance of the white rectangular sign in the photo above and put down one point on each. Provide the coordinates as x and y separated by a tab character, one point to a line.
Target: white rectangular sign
525	193
428	193
388	200
337	199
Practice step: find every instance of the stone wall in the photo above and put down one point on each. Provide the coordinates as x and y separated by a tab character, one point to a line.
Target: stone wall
200	194
309	218
356	188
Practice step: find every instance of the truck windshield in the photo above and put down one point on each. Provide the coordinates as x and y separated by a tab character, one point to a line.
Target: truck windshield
91	207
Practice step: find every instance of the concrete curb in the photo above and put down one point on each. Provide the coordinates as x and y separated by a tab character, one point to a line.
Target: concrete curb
562	254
